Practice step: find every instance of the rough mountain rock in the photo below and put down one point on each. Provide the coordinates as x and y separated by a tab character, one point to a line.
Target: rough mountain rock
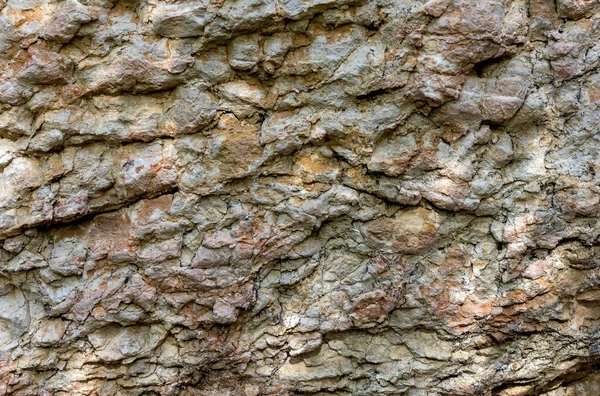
278	197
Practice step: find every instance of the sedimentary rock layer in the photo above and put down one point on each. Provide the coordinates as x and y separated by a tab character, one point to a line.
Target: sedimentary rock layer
278	197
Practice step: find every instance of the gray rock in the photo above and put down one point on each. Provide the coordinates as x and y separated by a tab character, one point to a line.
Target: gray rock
181	20
256	197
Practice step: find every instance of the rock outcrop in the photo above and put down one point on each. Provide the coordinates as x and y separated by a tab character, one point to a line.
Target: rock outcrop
277	197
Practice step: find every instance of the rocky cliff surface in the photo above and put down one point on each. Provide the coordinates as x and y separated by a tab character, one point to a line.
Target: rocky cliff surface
277	197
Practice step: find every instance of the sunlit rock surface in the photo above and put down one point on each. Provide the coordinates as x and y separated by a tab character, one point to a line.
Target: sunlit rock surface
279	197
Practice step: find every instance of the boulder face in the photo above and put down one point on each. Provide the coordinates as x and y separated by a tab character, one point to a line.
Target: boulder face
280	197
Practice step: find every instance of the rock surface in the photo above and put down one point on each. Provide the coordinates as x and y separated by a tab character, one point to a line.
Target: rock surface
277	197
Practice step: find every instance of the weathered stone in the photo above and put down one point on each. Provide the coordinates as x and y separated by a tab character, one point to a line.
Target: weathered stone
257	197
406	232
244	52
46	141
576	9
15	123
67	22
180	20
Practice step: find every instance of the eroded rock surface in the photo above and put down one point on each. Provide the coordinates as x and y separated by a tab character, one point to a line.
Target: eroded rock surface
277	197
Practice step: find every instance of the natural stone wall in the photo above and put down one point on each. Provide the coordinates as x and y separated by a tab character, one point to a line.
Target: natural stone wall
277	197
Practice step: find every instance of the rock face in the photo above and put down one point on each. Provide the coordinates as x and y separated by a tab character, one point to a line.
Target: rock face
277	197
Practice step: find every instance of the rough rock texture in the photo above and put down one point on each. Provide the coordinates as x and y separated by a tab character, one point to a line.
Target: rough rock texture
277	197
